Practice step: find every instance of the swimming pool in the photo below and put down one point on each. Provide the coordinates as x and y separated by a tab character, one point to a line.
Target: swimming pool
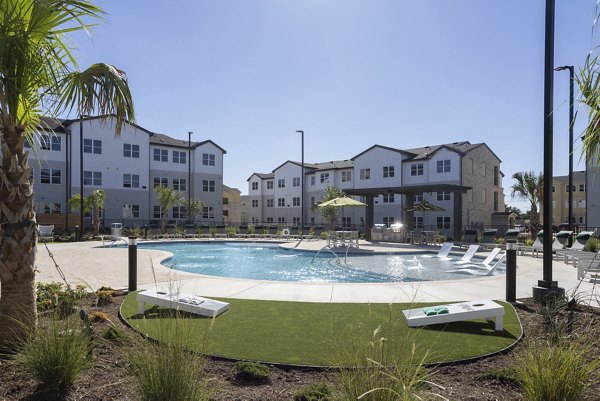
269	262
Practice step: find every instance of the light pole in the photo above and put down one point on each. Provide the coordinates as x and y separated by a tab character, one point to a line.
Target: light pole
189	174
571	123
302	187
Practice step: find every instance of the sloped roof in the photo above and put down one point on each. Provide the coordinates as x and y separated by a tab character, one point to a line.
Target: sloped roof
54	124
331	165
426	152
382	147
262	176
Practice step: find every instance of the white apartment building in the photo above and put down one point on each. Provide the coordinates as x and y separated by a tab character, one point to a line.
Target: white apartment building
127	168
593	194
462	178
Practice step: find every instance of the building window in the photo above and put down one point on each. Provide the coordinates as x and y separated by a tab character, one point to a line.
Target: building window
387	220
280	202
161	155
388	171
161	181
92	178
226	201
270	184
312	200
495	201
443	222
269	202
179	212
324	178
296	201
44	142
208	212
254	202
416	169
296	182
418	222
47	142
418	198
365	173
92	146
281	183
179	157
443	166
156	212
347	221
582	188
208	159
254	186
131	211
130	150
443	196
553	188
312	180
269	219
496	175
296	221
131	181
50	176
179	184
50	207
346	176
388	198
208	185
281	220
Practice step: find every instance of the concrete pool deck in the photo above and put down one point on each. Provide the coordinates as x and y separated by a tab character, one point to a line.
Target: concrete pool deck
86	263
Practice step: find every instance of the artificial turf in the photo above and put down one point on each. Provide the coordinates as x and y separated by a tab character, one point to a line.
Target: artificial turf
300	333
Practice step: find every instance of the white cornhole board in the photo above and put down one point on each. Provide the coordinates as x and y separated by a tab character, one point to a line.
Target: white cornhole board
480	309
183	302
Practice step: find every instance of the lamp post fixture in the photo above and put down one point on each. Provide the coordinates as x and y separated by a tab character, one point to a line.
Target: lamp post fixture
189	174
302	187
571	123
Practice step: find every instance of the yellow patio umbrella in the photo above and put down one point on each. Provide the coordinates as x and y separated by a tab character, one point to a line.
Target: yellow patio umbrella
341	202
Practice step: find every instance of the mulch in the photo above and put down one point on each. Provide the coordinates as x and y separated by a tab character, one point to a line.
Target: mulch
108	379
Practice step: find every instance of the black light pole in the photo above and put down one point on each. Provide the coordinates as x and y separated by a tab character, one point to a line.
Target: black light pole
302	187
571	123
547	287
81	177
189	174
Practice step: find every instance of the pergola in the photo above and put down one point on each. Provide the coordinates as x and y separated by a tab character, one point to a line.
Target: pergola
410	191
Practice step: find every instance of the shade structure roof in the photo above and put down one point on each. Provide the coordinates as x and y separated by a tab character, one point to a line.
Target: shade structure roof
342	201
425	206
407	189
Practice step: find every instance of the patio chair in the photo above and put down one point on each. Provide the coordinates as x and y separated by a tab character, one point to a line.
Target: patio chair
538	245
353	239
587	263
485	264
468	254
443	252
458	312
190	231
579	244
153	232
480	272
45	232
469	237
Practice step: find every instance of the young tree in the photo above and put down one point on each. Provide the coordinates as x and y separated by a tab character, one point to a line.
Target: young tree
92	204
39	77
329	214
193	208
530	187
167	198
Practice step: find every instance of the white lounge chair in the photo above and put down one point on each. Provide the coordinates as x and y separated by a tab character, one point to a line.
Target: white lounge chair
538	245
485	264
480	272
458	312
180	301
579	244
468	254
46	232
443	252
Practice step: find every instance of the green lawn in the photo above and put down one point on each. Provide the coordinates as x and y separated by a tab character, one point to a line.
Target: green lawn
317	333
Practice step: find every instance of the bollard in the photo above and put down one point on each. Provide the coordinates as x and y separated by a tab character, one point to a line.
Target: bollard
132	263
511	272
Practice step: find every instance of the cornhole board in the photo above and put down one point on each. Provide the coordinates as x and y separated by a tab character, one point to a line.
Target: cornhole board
480	309
180	301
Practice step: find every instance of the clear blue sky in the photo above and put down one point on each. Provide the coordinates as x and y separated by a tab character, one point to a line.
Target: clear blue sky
400	73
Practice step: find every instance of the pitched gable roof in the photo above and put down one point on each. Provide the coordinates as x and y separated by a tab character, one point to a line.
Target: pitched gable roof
379	146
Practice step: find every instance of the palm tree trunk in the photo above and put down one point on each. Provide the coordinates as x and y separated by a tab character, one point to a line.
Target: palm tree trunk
96	222
17	241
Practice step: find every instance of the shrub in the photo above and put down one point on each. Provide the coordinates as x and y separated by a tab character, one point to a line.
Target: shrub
313	392
104	298
231	231
252	371
57	297
55	354
251	229
556	373
213	231
324	235
593	245
504	375
499	240
528	242
98	316
115	335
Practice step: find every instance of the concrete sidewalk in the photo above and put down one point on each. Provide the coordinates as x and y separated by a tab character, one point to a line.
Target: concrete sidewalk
85	263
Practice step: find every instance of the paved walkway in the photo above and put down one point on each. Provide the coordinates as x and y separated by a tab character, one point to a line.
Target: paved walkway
85	263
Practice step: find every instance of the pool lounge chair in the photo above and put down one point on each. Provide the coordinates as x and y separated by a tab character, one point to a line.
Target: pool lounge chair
190	231
443	252
180	301
480	272
457	312
586	263
45	232
485	264
469	237
579	244
468	254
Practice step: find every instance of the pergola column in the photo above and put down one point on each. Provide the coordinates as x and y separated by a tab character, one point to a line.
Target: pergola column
458	213
409	213
369	213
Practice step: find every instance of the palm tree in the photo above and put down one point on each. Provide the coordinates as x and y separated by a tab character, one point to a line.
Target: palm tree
329	214
167	198
530	187
92	204
40	77
588	81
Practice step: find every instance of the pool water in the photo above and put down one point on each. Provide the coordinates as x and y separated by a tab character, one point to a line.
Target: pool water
269	262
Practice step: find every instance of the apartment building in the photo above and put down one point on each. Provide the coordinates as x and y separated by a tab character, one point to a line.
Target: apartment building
127	168
232	205
462	178
560	199
592	184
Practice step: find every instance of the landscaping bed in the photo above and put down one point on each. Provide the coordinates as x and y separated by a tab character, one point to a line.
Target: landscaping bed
108	377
